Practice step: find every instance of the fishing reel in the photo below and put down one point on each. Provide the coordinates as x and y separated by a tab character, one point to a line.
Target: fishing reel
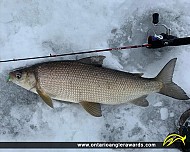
165	38
184	129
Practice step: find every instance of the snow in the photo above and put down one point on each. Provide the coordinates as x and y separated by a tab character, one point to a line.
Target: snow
158	104
171	114
164	113
35	28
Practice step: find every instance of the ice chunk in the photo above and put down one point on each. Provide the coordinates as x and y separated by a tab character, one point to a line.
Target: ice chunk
164	113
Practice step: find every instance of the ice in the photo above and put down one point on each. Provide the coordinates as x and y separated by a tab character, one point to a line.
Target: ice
36	28
164	113
171	114
158	104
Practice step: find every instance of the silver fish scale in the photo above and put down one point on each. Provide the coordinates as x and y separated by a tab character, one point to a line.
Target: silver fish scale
75	82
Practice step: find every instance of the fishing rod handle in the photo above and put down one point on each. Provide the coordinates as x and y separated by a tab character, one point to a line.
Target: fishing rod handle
168	40
179	41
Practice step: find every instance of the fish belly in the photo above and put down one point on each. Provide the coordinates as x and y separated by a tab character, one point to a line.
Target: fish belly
75	82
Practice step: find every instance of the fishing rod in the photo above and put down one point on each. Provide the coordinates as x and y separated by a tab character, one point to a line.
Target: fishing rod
76	53
154	41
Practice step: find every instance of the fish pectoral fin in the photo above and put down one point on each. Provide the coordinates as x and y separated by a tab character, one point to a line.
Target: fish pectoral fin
94	60
46	98
141	101
92	108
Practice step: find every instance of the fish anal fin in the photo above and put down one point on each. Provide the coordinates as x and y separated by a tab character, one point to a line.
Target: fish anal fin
94	60
141	101
46	98
92	108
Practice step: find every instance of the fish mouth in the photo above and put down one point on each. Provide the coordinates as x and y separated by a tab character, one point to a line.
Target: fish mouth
10	76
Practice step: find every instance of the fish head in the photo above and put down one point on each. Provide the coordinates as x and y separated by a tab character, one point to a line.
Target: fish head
23	77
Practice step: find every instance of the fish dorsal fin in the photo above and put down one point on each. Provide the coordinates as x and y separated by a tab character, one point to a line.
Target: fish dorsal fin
140	74
94	60
141	101
92	108
46	98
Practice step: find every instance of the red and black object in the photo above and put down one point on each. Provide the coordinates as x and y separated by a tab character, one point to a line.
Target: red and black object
167	40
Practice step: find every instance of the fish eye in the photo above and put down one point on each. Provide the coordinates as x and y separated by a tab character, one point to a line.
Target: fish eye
18	75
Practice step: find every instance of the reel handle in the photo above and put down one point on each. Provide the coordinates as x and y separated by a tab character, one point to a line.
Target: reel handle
155	18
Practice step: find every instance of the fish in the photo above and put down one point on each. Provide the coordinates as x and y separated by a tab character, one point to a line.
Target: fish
87	82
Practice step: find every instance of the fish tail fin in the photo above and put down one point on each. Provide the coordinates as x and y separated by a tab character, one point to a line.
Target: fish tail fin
169	87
